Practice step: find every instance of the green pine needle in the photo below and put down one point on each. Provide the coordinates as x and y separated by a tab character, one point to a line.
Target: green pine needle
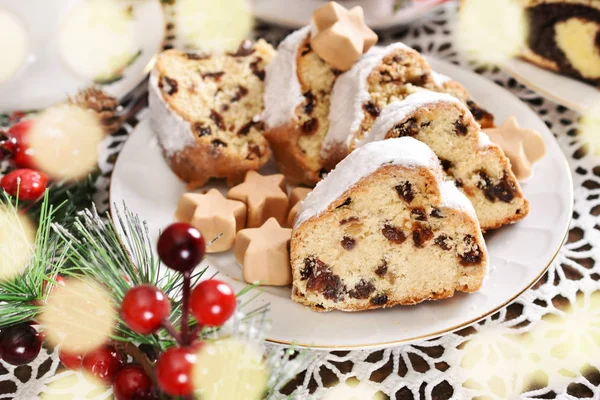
20	298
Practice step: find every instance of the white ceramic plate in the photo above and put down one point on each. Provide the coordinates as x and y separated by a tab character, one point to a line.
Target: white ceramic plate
379	14
567	91
45	78
519	254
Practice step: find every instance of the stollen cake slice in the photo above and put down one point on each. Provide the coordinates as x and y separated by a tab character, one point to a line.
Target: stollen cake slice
205	110
297	92
454	88
564	37
384	228
383	74
479	167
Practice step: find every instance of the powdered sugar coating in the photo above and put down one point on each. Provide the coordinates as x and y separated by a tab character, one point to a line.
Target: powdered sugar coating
173	132
348	96
282	89
365	160
440	79
399	110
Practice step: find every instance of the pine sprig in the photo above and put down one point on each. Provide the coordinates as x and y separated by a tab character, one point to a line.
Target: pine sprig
21	298
96	251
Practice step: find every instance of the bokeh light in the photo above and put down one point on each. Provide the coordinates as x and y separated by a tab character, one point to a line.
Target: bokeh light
65	141
589	129
230	369
491	31
353	389
73	386
97	38
213	26
17	242
79	316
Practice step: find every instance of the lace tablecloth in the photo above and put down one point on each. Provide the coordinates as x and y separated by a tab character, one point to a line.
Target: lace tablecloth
545	345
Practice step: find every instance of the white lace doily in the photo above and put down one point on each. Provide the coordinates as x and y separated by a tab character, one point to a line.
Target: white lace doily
545	345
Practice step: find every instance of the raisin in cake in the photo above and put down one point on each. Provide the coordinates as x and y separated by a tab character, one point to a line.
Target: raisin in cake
383	229
206	112
453	88
382	75
480	168
564	36
297	92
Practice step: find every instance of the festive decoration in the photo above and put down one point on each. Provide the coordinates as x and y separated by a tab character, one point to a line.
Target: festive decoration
71	360
229	369
296	198
524	147
107	107
265	197
79	316
200	23
264	254
181	247
174	371
214	215
144	308
487	38
103	363
131	382
8	146
17	247
137	285
590	129
23	157
340	36
64	141
212	302
26	184
19	344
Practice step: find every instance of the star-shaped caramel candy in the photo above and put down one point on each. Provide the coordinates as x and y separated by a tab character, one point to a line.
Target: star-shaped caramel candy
213	215
523	147
340	36
265	197
264	254
296	197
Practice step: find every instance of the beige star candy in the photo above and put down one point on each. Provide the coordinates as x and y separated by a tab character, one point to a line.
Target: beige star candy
264	254
212	214
265	197
296	197
340	36
523	147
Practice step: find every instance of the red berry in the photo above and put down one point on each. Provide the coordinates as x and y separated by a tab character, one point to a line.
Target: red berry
70	360
8	146
174	371
212	302
28	184
181	247
144	307
103	363
24	155
20	344
50	286
20	130
131	382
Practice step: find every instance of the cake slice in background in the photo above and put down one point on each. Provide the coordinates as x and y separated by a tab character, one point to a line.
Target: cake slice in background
564	36
205	110
453	88
382	229
479	167
382	75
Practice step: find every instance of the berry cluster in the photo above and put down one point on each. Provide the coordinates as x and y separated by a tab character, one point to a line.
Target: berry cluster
145	309
25	182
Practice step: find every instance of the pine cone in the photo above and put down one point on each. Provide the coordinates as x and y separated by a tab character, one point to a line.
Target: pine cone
105	106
